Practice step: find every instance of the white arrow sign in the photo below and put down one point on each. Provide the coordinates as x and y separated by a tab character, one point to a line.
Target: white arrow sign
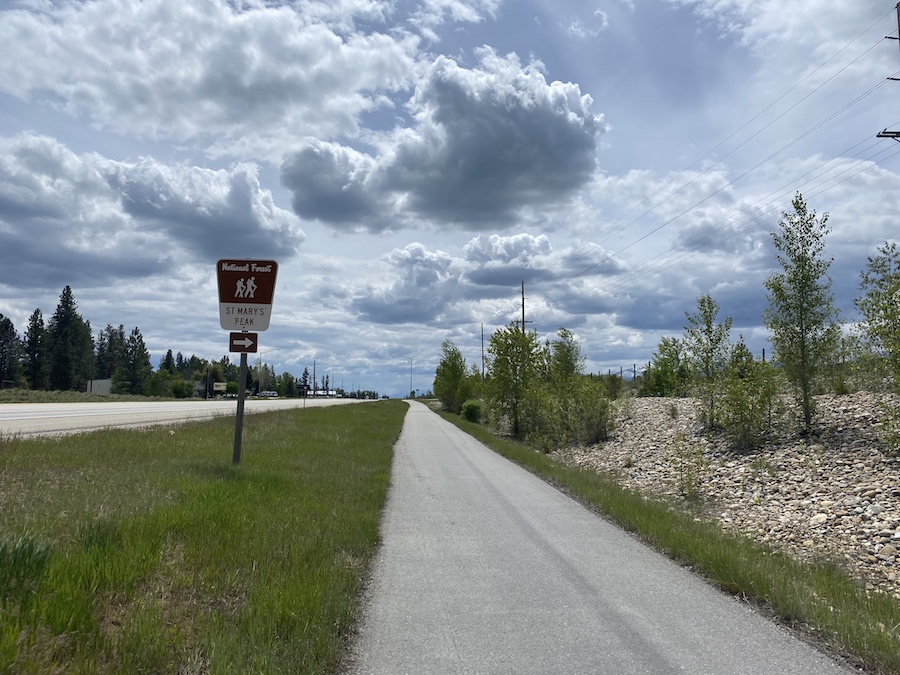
243	342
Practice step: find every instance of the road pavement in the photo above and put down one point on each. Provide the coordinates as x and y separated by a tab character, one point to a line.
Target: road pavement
484	568
33	419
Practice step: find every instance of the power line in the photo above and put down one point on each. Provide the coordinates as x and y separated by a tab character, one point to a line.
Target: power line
770	207
732	182
716	229
741	128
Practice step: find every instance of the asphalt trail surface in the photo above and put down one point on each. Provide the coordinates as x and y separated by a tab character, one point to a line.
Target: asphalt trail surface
484	568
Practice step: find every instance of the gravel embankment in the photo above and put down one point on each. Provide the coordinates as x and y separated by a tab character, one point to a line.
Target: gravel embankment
834	496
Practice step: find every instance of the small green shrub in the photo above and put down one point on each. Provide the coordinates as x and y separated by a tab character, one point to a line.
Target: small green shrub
624	405
840	385
748	399
889	416
182	388
471	410
577	413
691	466
596	419
613	385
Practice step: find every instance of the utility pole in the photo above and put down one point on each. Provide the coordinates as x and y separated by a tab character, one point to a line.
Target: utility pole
523	308
892	134
482	353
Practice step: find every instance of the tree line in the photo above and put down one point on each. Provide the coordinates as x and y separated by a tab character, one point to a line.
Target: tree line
531	390
62	354
540	393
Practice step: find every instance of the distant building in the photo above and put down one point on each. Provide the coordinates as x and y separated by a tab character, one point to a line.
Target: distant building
102	387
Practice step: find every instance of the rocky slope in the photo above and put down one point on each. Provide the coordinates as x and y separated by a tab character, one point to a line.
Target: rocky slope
835	495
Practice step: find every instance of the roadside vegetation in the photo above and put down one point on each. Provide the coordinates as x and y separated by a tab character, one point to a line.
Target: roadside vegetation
532	398
148	551
33	396
540	394
532	391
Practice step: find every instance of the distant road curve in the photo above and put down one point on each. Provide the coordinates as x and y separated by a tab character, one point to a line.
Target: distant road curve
37	419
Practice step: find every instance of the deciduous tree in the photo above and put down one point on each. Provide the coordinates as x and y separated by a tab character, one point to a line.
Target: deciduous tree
669	371
747	398
566	361
707	343
880	307
449	377
513	365
801	313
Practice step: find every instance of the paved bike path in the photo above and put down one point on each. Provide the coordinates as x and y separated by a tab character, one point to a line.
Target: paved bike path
484	568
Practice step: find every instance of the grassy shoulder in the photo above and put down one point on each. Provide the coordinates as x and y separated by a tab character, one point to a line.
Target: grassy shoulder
821	601
147	551
40	396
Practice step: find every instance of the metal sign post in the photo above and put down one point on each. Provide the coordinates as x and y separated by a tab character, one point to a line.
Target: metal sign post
239	417
246	288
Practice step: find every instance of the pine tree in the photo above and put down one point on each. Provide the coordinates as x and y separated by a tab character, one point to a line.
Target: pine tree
71	346
110	351
135	368
36	341
10	353
305	382
168	363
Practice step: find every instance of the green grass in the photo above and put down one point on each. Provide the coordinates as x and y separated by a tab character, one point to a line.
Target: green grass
822	600
148	551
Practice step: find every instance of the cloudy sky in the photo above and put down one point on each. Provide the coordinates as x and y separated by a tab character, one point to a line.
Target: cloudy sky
410	163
